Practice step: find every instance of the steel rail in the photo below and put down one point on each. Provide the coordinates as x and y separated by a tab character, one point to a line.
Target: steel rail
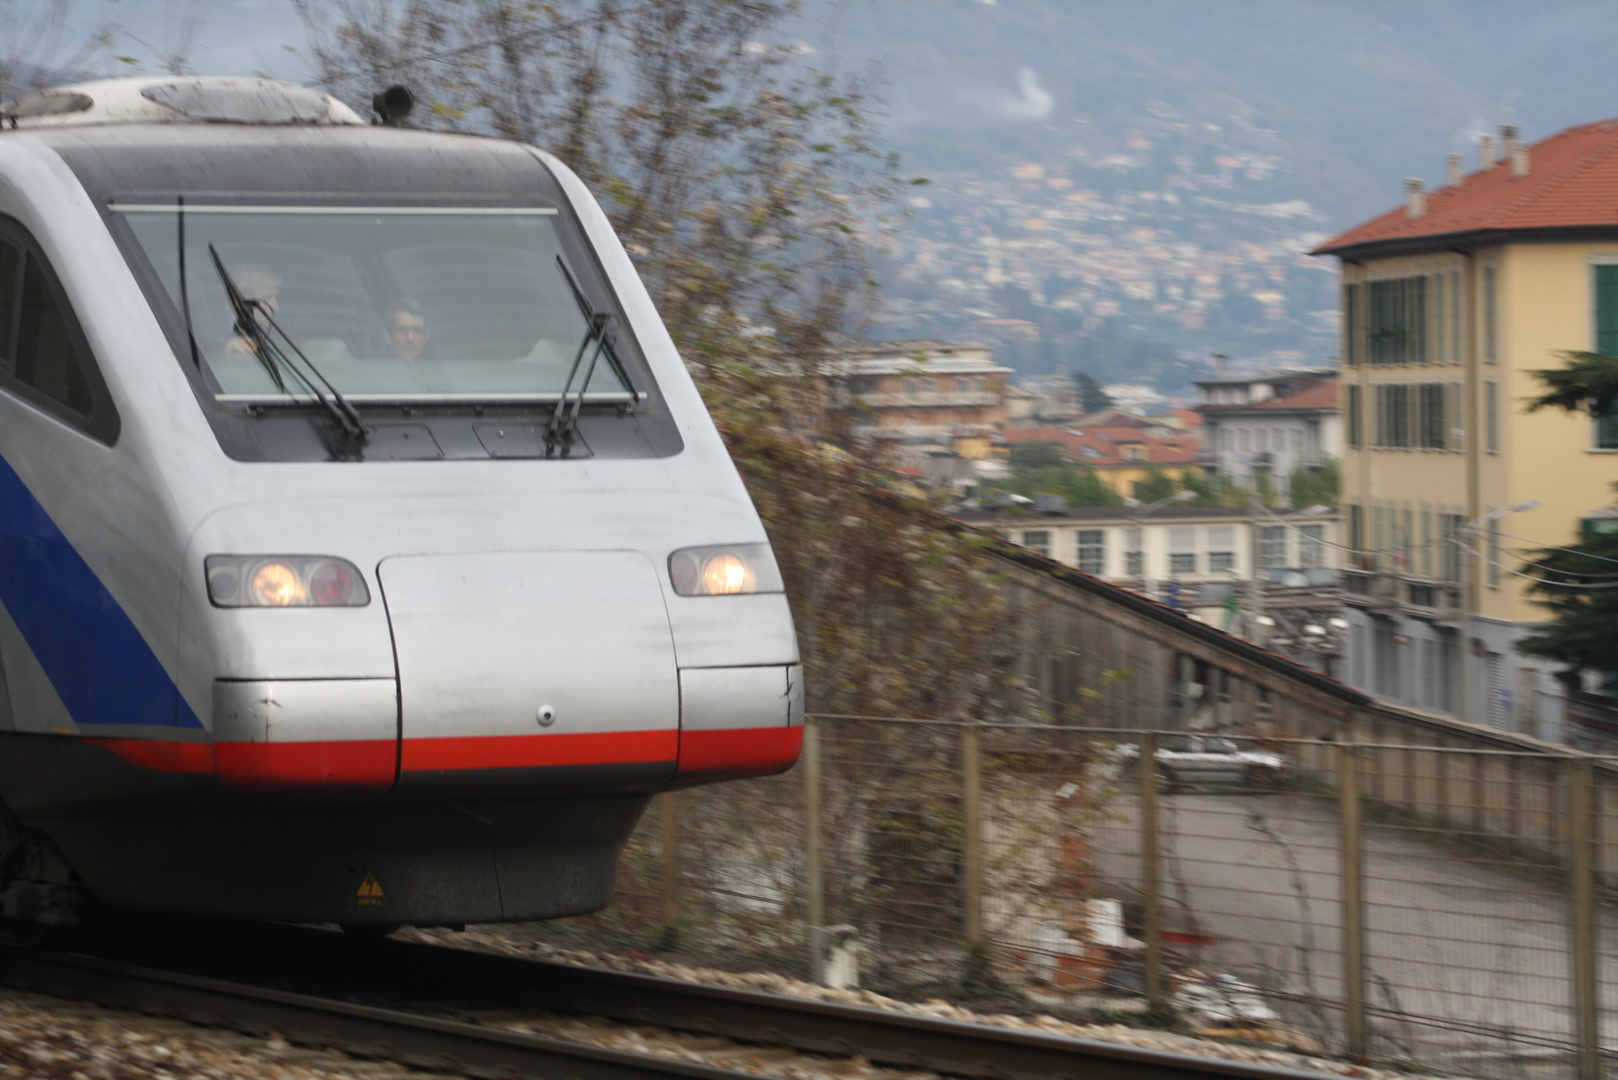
951	1047
393	970
364	1031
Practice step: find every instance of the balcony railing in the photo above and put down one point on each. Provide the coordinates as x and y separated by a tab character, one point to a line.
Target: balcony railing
1421	596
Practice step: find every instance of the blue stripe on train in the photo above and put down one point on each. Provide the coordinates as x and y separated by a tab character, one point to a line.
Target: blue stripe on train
97	660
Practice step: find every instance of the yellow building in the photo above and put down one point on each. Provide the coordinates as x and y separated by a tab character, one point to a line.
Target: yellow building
1450	302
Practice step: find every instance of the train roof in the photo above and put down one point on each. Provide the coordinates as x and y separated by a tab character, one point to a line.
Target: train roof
192	99
221	162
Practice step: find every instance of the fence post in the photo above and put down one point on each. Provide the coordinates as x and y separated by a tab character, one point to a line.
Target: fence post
1151	884
1353	893
1582	904
972	847
813	855
667	811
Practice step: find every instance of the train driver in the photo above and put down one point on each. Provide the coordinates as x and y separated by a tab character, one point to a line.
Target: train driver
407	330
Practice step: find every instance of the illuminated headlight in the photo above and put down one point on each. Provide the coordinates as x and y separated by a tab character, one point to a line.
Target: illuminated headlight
725	570
284	581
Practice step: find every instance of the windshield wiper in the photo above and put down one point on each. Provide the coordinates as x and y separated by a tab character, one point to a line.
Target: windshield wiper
275	360
562	429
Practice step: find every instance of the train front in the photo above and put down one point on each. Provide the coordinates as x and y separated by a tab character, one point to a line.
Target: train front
464	573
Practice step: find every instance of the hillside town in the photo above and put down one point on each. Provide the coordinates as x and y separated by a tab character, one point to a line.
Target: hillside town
1366	519
1078	259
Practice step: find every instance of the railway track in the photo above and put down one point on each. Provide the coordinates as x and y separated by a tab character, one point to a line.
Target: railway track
419	1004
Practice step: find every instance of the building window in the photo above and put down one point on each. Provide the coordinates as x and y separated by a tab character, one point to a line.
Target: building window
1606	334
1433	418
1490	316
1351	416
1392	415
1456	401
1037	540
908	388
1440	342
1455	317
1607	431
1385	664
1312	546
1134	558
1182	550
1397	321
1427	541
1450	549
1356	528
1351	326
1092	551
1491	416
1494	554
1134	453
1221	548
1272	546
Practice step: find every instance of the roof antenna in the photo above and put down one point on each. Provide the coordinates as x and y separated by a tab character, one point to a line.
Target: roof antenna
393	105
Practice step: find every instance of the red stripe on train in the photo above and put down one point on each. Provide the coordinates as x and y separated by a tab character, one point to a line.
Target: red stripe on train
739	751
356	763
534	751
371	763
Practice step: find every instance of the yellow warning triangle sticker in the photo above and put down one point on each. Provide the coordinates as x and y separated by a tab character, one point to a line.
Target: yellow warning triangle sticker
370	887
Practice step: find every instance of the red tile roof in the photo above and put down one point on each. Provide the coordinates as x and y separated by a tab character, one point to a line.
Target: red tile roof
1103	445
1318	394
1572	181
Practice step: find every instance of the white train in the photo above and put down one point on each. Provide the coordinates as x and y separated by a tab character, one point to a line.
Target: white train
367	554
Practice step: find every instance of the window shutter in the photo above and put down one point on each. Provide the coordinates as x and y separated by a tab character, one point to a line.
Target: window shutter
1607	310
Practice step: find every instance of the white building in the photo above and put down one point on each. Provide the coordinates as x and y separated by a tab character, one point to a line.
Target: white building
1270	423
1204	561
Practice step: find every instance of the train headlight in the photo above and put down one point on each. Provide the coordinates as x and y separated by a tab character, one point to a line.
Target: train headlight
275	585
725	570
284	581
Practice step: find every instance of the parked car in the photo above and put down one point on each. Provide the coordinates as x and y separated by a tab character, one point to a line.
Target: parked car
1209	760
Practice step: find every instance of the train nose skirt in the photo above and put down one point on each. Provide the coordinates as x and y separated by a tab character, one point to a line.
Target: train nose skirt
550	667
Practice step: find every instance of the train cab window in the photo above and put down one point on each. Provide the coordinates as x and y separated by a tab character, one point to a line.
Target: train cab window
45	358
10	263
43	355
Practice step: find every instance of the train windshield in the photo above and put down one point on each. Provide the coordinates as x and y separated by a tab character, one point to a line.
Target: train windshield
390	304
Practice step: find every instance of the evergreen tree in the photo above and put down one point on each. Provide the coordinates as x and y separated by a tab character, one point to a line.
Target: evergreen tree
1578	584
1092	397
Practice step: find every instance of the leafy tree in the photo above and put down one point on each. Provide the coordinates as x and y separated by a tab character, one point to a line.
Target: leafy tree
1092	398
1155	485
1036	455
1317	485
1035	474
1216	490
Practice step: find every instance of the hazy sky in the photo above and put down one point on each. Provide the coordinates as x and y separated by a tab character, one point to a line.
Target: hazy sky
1365	92
238	37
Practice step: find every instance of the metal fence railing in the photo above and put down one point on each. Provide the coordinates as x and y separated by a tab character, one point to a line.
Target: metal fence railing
1439	908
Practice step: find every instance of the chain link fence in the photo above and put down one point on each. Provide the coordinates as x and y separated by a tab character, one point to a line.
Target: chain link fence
1434	907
